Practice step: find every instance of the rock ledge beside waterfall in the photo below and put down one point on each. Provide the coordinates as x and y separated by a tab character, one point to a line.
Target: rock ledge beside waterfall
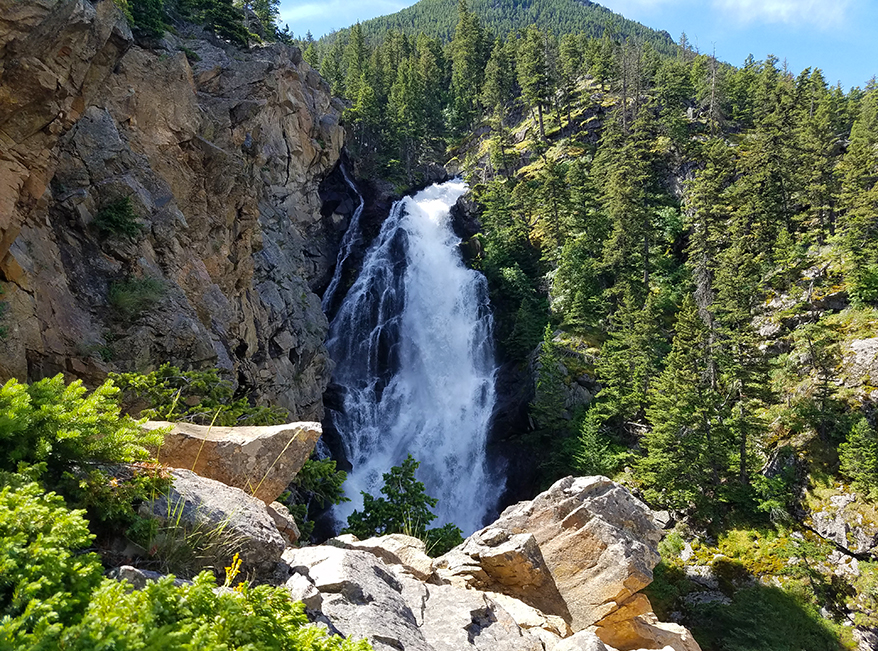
558	573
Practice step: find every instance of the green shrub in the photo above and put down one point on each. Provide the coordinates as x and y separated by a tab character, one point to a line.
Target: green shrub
149	16
111	497
117	219
63	425
763	619
163	616
864	601
133	296
191	55
404	509
864	286
200	397
317	485
52	596
44	582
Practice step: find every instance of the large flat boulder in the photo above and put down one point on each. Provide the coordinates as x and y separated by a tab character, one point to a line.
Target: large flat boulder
261	461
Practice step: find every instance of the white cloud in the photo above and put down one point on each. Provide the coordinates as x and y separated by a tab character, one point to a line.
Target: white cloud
822	13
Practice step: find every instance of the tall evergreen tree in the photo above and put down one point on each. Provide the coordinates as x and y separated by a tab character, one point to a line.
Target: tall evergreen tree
470	49
859	225
533	72
499	88
688	447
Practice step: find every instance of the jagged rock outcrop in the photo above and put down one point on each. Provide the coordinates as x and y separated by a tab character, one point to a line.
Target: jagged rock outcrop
260	460
844	519
560	572
218	153
860	366
586	541
389	591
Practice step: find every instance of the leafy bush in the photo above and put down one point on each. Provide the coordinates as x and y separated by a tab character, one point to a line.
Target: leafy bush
404	509
133	296
44	581
864	286
62	425
200	397
111	497
317	485
52	596
163	616
117	218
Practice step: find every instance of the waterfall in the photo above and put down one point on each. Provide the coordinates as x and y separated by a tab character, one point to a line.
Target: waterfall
351	238
412	342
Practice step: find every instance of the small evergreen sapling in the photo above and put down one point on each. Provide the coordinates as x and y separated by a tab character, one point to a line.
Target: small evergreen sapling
404	509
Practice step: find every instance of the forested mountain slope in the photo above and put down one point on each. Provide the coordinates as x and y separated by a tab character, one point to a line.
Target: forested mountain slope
438	18
684	254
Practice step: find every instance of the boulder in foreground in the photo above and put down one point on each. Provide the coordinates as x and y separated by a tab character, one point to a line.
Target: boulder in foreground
217	521
261	461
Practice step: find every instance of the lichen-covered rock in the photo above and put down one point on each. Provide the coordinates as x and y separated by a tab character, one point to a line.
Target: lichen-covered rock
456	619
361	597
140	578
582	641
219	159
358	594
496	560
225	520
285	523
594	547
394	549
646	632
860	365
260	460
847	521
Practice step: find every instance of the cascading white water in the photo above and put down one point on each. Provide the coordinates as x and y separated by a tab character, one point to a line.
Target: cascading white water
412	342
351	238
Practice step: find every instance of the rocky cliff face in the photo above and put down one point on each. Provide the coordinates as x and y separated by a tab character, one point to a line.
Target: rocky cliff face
160	204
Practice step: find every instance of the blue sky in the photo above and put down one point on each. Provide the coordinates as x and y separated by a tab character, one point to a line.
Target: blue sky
838	36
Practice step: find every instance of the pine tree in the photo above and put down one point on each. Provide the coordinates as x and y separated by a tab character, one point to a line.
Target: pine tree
628	363
817	142
859	224
688	448
570	69
354	62
469	55
534	79
499	88
624	172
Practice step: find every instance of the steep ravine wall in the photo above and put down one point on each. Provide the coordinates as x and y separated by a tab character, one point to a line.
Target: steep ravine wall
220	152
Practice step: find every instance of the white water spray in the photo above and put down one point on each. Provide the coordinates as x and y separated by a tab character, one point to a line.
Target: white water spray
413	346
